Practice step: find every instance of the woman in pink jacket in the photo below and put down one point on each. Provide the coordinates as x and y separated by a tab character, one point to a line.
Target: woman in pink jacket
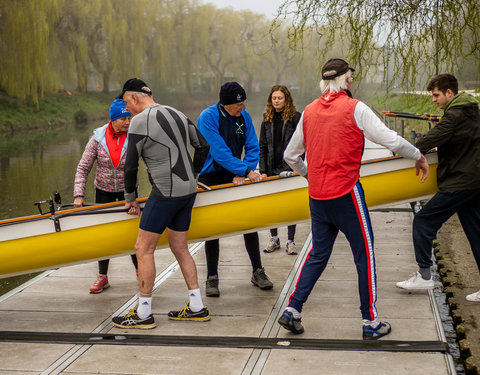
108	147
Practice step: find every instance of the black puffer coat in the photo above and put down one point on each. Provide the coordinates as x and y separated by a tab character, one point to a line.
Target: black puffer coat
267	146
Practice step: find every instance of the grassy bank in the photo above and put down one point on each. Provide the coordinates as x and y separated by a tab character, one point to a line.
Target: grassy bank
57	110
53	111
406	103
60	109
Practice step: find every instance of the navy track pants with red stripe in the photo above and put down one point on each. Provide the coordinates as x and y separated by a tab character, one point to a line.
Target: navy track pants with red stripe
348	214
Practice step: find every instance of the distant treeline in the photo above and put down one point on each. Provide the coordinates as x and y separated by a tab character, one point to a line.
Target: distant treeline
174	45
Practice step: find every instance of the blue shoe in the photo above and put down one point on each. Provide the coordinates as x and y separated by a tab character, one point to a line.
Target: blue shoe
287	321
370	333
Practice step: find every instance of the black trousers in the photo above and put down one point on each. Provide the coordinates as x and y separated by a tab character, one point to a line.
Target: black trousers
291	232
212	247
427	222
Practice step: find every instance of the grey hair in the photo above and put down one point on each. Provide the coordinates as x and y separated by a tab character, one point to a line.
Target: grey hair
337	84
138	93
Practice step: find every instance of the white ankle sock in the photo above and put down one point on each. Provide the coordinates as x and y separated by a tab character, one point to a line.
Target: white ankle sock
294	312
144	308
195	300
373	323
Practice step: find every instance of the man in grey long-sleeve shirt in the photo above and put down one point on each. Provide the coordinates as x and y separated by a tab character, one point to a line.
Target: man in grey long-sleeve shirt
161	136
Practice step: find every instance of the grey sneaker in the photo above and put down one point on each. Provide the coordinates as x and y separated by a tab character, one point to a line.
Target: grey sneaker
370	333
261	280
287	321
273	244
291	248
211	286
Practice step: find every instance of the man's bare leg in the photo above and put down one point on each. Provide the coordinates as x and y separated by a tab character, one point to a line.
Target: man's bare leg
179	247
145	249
141	317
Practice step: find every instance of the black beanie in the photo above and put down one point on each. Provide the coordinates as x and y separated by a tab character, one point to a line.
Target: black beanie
231	93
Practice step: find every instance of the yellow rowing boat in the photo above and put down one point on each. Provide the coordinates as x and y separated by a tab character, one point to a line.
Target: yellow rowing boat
68	237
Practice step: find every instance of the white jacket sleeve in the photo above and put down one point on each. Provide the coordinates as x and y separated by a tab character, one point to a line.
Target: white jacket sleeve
376	131
295	149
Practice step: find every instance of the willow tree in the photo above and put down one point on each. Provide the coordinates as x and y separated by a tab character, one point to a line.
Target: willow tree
133	22
414	37
71	32
221	44
24	47
115	39
105	41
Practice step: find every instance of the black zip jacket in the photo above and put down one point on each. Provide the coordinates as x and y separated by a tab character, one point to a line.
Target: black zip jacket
457	137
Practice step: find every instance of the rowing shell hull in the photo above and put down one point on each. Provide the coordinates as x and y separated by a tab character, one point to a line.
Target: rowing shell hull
33	244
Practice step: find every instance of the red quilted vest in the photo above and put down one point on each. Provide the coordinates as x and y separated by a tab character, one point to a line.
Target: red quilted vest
334	145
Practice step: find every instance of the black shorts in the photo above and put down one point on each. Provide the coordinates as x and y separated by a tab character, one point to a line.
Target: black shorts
159	214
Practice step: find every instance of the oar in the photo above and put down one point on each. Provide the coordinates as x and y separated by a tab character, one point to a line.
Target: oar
416	116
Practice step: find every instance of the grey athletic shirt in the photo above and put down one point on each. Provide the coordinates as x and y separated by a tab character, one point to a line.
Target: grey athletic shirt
162	136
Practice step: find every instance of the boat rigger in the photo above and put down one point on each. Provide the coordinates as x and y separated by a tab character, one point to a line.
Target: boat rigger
68	237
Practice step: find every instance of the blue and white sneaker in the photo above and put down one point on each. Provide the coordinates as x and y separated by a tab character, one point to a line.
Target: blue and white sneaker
287	321
370	333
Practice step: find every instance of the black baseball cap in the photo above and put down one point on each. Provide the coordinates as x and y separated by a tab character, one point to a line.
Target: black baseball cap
136	85
334	68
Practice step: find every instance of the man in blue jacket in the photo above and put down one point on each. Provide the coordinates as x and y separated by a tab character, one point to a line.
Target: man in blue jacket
229	131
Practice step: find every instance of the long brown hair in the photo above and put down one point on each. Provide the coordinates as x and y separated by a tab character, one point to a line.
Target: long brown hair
289	109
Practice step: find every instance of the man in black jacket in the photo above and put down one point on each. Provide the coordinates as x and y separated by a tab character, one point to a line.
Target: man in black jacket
457	138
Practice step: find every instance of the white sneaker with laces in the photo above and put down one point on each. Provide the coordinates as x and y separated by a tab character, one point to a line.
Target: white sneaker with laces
291	249
415	281
273	244
474	297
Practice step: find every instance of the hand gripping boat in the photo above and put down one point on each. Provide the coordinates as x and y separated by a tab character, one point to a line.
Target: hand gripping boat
66	237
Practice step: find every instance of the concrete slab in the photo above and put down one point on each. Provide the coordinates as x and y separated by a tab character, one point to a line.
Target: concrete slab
40	321
159	360
24	358
359	363
61	303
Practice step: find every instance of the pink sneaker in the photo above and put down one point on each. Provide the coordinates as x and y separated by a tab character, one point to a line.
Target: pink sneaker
100	284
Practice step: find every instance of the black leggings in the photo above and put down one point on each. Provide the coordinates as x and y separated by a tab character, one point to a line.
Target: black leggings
212	252
291	232
212	247
107	197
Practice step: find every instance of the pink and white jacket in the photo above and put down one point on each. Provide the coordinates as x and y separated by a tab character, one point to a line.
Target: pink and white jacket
107	177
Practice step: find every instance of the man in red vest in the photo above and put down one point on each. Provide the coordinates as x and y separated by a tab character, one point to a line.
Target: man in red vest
331	131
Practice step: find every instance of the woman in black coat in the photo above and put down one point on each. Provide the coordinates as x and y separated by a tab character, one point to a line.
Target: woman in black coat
279	123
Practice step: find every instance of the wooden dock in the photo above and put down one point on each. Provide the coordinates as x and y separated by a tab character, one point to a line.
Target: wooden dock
52	325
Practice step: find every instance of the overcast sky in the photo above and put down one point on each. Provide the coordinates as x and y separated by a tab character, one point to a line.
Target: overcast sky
267	7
